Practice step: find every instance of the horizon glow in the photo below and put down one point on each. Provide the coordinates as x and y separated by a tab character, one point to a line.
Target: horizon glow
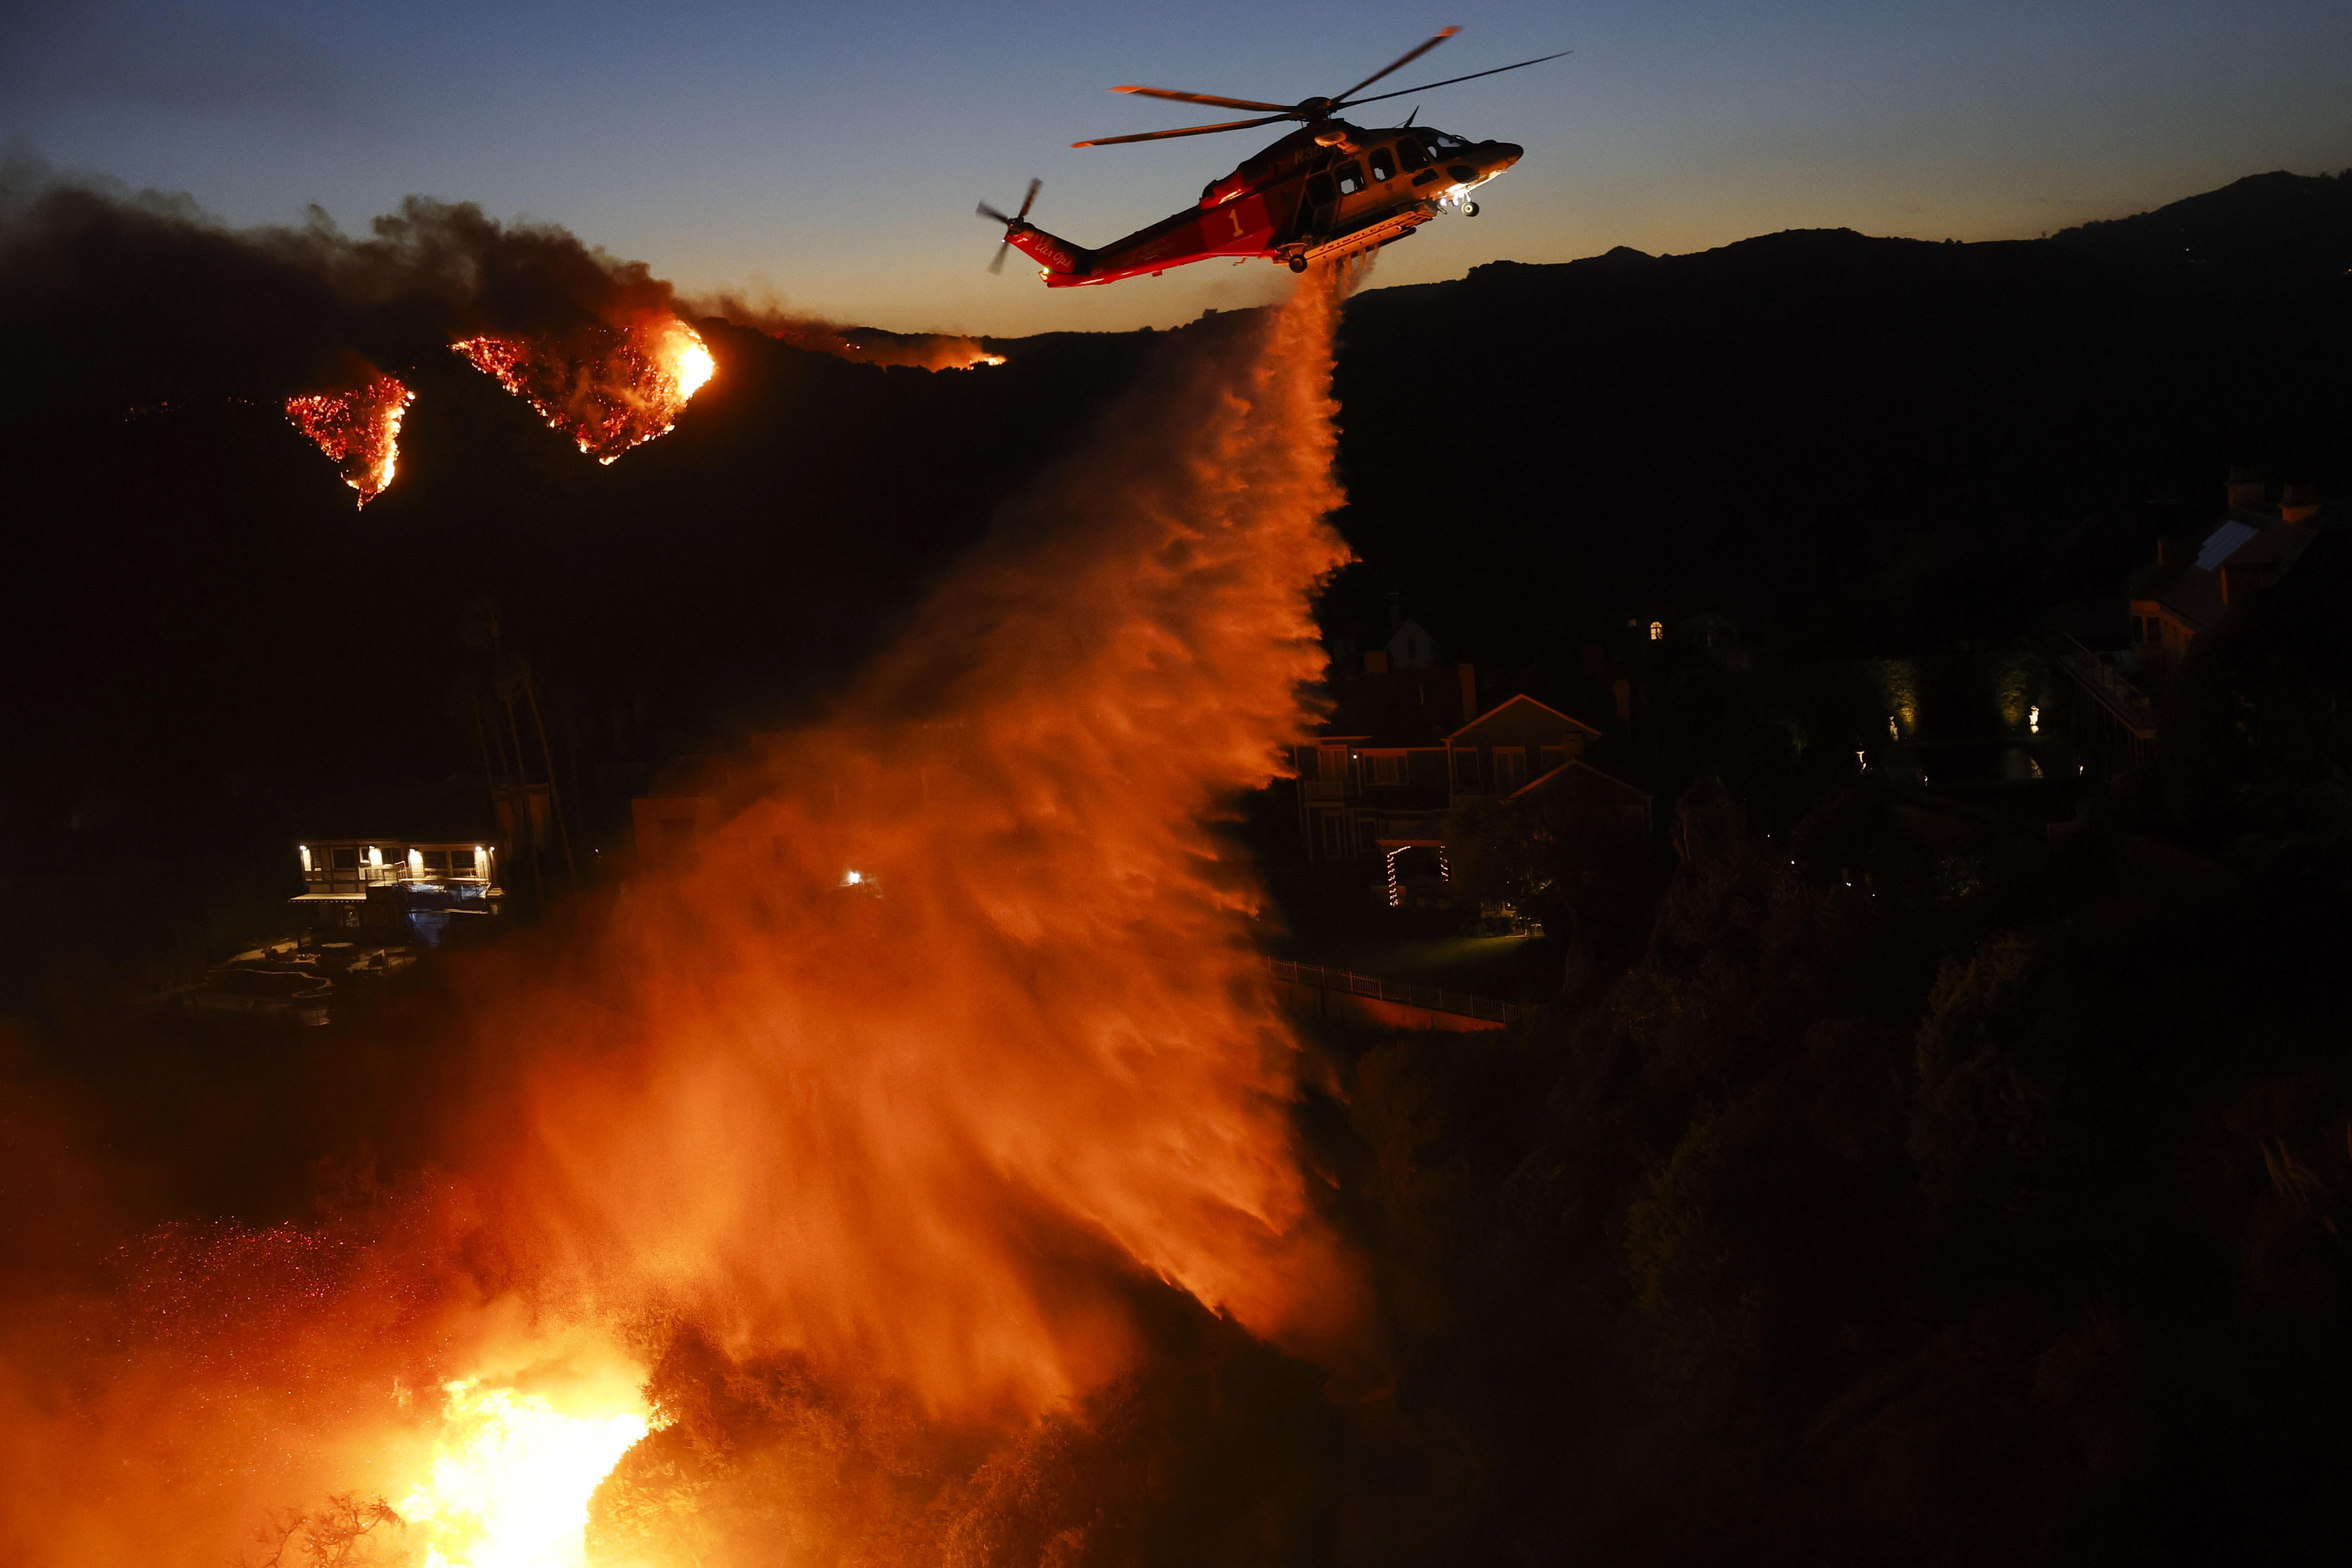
834	158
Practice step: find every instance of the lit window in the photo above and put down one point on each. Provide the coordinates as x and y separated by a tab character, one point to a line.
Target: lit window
304	850
1657	631
1352	178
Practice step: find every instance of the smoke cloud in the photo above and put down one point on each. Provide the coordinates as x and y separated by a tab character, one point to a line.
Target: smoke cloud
863	345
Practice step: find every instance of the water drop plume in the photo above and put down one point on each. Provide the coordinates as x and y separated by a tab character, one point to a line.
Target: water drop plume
957	1019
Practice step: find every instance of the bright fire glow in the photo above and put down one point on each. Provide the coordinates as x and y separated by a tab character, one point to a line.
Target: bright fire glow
358	428
607	388
512	1478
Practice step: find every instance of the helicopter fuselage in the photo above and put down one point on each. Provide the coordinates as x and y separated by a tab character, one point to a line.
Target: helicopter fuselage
1327	189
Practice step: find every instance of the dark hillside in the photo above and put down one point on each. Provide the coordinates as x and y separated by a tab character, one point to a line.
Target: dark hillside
1879	440
2277	229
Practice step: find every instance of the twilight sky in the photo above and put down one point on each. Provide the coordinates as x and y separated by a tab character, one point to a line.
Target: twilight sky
832	154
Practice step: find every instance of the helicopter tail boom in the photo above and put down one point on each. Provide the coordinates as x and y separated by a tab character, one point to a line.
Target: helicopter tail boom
1058	256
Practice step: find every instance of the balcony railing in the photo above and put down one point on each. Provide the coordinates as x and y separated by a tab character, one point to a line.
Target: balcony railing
1460	1004
2098	675
359	879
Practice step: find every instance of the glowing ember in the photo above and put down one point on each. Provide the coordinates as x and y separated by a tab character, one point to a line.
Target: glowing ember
511	1478
358	428
607	388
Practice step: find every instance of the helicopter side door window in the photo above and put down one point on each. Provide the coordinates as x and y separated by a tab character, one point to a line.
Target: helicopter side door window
1410	154
1352	178
1384	165
1319	193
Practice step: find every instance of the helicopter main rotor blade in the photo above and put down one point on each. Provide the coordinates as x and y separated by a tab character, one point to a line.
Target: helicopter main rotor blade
1449	81
1187	130
1202	97
1029	200
1394	66
997	264
991	213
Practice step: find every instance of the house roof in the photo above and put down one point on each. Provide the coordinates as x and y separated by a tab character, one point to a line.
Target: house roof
1580	774
2192	591
1521	719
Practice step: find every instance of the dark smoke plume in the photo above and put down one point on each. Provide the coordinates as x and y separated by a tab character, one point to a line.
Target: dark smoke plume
863	345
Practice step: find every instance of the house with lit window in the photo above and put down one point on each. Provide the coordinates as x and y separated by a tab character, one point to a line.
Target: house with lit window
2190	587
1406	750
392	888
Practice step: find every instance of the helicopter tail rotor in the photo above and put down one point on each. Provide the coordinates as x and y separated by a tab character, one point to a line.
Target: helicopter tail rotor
990	213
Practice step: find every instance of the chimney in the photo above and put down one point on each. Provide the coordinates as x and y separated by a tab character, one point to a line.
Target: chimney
1469	674
1396	612
2247	488
2297	502
1624	693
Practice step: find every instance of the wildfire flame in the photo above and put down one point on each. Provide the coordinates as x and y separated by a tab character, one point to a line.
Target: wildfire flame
511	1479
358	428
608	388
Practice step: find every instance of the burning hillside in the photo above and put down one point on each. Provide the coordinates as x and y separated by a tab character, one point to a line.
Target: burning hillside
358	427
815	1206
608	388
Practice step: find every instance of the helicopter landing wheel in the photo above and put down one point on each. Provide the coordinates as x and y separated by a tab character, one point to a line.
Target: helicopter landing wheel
1469	209
1298	264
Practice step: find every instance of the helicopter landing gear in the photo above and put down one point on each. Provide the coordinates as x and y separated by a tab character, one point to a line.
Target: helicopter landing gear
1298	264
1469	209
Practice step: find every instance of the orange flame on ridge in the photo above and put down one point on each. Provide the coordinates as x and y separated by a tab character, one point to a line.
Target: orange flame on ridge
608	388
358	428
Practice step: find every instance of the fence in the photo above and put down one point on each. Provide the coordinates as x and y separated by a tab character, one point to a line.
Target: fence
1429	998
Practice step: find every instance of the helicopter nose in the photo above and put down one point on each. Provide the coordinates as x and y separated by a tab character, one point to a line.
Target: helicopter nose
1505	153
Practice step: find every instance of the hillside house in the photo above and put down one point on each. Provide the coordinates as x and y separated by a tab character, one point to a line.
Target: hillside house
399	888
2183	595
1383	784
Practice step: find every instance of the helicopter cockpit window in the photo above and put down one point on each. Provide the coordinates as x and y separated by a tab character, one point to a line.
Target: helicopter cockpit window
1410	154
1383	163
1444	141
1351	177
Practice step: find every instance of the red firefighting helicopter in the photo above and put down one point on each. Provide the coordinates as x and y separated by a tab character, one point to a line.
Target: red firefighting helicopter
1327	189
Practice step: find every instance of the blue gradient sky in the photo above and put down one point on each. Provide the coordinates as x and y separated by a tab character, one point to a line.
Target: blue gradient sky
835	153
